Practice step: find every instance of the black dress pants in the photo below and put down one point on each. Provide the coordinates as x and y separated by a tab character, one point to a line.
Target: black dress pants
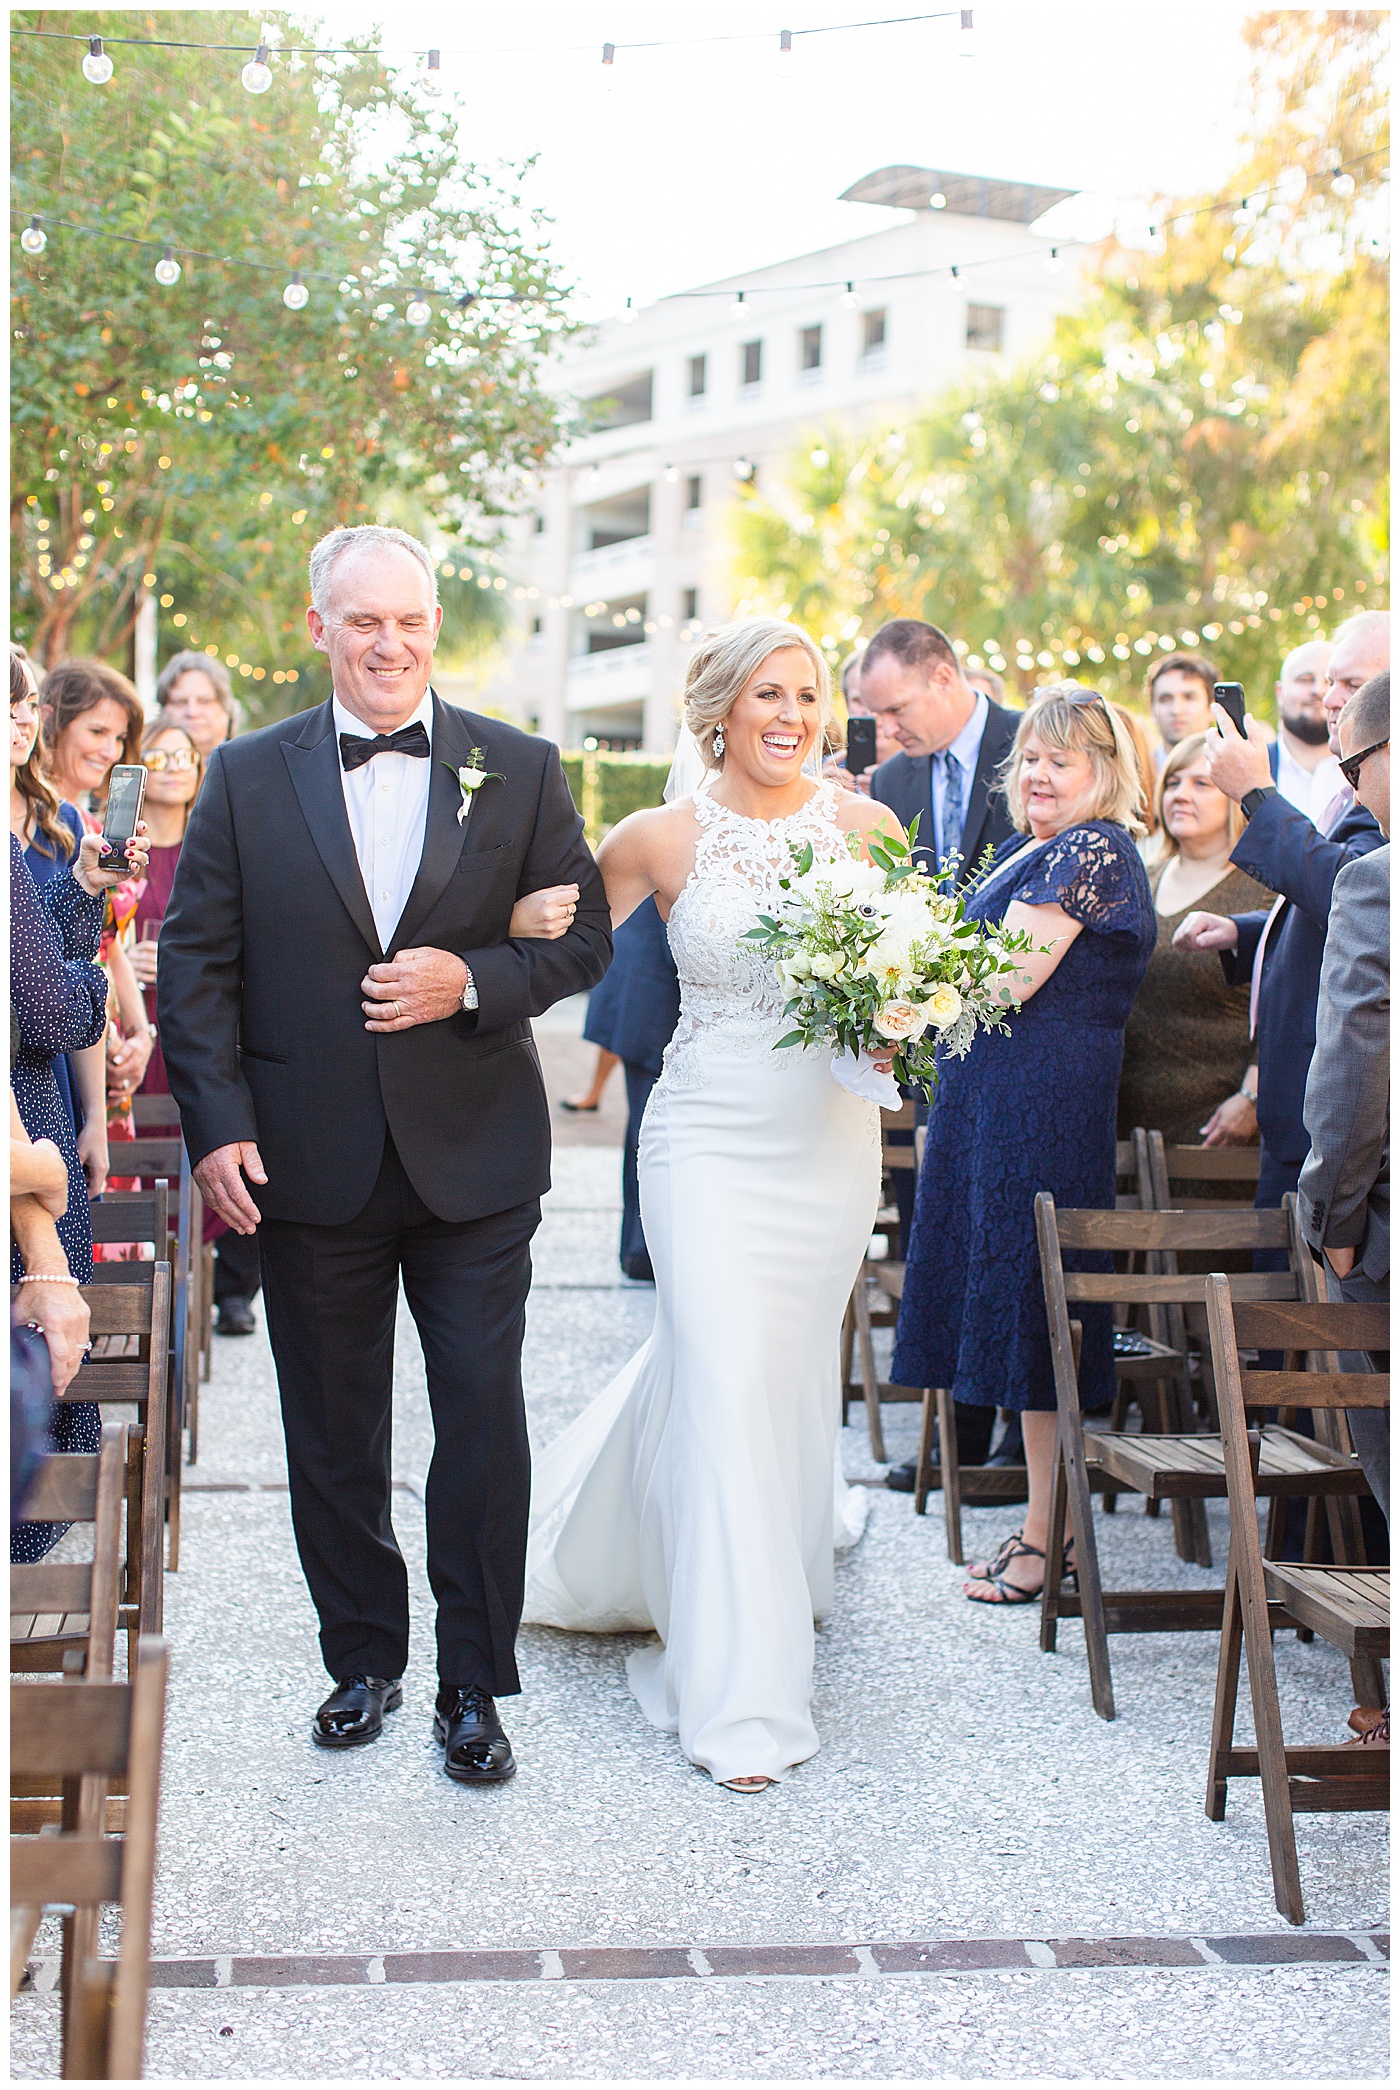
331	1295
237	1269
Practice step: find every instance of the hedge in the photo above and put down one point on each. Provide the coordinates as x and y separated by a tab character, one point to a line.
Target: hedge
607	787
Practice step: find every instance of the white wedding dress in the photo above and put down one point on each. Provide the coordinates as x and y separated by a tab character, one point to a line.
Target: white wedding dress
700	1494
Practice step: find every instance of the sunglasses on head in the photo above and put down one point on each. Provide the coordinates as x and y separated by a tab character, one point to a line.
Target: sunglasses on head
175	758
1351	765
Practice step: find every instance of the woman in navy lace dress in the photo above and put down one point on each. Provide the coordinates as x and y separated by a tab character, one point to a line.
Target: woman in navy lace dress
1034	1109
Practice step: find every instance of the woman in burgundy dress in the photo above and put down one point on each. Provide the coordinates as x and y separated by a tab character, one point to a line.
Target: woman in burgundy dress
174	769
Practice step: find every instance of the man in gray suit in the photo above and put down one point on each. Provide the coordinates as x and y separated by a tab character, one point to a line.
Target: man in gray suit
1344	1189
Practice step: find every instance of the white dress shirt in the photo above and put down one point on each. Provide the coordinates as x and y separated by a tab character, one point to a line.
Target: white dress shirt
1311	790
964	750
386	802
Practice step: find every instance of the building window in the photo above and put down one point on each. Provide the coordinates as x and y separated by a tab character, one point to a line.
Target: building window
690	605
541	522
694	491
536	626
751	362
697	377
984	326
621	407
810	349
872	339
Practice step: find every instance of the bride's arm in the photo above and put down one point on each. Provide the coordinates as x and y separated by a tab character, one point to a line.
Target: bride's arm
634	859
866	817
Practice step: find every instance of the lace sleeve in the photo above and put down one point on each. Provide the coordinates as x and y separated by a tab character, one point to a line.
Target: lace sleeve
1095	874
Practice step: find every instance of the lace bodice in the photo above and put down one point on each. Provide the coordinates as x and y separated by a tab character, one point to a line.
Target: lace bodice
729	988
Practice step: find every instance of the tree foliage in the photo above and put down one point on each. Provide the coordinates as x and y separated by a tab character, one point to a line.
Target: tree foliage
1200	453
206	434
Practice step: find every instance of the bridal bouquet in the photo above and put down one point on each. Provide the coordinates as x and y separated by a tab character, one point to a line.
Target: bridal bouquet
876	954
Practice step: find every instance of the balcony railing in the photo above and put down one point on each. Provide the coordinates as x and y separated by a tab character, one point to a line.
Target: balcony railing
609	559
619	676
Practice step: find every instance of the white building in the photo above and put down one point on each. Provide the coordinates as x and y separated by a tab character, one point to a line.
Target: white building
628	557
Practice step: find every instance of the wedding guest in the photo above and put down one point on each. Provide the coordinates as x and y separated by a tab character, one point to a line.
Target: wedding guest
632	1013
174	771
953	738
49	831
45	1353
59	996
1149	842
1279	954
1304	767
603	1065
194	691
885	742
92	719
1033	1109
1188	1064
1180	693
987	680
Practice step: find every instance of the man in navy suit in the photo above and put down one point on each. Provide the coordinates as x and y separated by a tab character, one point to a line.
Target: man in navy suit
633	1011
954	740
1279	954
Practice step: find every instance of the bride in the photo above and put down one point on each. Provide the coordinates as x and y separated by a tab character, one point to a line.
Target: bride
695	1495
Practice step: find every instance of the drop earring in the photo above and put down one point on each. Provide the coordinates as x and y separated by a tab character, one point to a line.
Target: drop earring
718	744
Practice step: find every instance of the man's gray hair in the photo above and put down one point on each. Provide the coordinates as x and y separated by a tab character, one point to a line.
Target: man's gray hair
1373	624
363	537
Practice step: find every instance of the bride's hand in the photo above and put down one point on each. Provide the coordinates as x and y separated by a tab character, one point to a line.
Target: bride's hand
548	913
884	1059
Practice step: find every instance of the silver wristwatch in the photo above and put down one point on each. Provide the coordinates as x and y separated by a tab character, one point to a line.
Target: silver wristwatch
469	999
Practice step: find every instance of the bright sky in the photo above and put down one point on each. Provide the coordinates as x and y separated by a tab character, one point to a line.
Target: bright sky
701	161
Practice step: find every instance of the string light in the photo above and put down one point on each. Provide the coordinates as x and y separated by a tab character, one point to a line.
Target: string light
34	239
418	311
849	298
627	316
739	310
1053	264
1342	183
167	269
432	76
257	73
608	77
967	47
97	66
938	201
743	468
296	295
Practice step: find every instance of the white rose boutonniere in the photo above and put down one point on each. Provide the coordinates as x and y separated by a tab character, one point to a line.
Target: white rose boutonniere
470	778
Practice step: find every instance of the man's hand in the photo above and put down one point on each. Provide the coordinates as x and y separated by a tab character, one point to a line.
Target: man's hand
1206	932
93	1153
64	1319
222	1188
1234	1124
1237	764
1343	1260
143	958
418	986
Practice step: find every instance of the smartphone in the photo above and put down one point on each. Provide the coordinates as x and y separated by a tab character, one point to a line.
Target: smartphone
126	794
1230	697
860	745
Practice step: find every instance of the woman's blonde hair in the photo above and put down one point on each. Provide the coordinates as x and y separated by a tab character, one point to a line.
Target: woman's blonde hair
722	664
1136	730
1081	721
1181	756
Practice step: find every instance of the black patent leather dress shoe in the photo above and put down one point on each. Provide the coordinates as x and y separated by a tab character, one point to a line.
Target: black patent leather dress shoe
235	1318
354	1712
476	1750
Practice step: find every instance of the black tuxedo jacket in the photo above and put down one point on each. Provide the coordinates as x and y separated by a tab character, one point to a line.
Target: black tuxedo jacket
904	783
269	934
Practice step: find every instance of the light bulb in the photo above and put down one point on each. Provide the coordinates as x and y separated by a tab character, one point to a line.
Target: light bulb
743	469
167	269
97	66
626	317
1053	264
34	239
739	310
296	295
938	201
608	75
785	69
966	47
1342	184
257	73
418	311
849	298
432	77
671	475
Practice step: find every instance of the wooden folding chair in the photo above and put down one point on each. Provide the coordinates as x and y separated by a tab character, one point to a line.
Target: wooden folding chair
63	1614
1349	1606
1157	1466
155	1115
130	1322
874	1300
82	1735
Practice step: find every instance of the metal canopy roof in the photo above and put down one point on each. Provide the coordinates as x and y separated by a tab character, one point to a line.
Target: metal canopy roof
968	195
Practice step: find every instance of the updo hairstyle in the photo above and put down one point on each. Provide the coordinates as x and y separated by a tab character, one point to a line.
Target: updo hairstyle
1081	721
724	661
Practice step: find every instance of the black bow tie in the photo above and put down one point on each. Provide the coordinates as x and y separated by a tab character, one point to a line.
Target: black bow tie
409	740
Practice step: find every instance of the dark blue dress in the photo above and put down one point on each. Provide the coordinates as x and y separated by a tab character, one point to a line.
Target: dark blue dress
1034	1110
59	996
45	864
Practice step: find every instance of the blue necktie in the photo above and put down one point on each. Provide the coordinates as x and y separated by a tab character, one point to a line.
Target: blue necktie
953	808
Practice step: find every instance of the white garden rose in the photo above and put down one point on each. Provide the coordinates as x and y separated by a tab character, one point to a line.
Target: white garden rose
901	1021
943	1007
826	964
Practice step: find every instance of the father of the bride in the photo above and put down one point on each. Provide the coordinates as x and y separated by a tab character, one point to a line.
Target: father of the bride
345	1018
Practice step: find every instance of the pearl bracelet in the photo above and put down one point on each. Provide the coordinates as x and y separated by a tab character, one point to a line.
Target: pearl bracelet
33	1277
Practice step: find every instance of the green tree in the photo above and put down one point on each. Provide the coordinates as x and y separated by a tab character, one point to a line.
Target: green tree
1199	455
204	433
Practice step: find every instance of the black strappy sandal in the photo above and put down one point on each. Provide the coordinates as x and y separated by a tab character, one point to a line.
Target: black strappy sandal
1008	1595
1007	1551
